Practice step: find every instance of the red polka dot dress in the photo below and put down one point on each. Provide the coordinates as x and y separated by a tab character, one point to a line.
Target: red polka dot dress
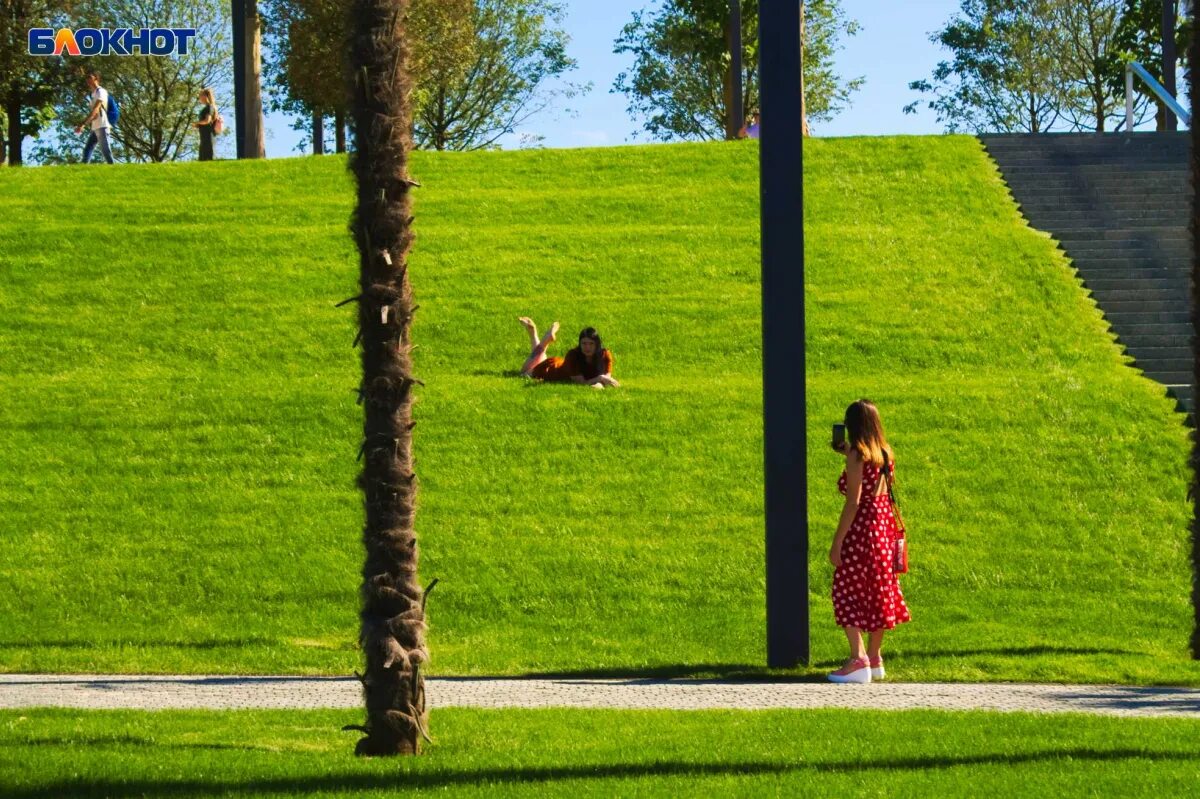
866	593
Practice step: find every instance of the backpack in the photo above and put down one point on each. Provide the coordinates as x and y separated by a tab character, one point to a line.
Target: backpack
218	125
113	110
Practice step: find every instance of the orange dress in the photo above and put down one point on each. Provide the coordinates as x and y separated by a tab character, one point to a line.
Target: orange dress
573	365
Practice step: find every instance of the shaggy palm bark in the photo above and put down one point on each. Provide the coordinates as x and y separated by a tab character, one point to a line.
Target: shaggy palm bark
393	605
1194	96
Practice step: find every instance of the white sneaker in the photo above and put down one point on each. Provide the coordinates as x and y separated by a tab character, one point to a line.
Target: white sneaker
855	671
877	672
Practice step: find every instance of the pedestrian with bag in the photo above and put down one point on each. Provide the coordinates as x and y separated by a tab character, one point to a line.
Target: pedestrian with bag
209	124
97	119
869	547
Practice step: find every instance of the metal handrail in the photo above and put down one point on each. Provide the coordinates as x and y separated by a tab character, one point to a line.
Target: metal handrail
1132	68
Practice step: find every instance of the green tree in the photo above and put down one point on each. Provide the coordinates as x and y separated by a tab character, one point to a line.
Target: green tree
1003	76
677	84
518	49
392	631
1088	56
157	94
1139	38
29	84
308	71
307	67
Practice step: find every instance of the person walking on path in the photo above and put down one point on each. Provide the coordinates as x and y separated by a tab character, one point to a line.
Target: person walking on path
205	124
97	119
588	364
866	593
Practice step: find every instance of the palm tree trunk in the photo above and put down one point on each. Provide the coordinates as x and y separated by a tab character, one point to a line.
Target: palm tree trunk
392	633
1194	96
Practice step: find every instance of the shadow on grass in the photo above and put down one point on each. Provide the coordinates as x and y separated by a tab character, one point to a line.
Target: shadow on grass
118	682
416	779
1164	699
1015	651
497	373
209	644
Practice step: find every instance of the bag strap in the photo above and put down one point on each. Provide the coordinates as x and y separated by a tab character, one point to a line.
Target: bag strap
887	476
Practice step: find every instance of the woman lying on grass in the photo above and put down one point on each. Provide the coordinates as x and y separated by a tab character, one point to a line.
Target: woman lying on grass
588	364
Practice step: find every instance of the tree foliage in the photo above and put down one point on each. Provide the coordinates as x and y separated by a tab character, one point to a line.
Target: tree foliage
306	69
29	84
517	50
1002	77
1041	65
1139	38
157	94
676	85
480	68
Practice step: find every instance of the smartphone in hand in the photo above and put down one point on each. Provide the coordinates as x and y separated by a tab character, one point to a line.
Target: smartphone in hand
839	437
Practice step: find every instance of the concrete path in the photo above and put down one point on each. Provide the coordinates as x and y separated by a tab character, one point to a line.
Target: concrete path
217	692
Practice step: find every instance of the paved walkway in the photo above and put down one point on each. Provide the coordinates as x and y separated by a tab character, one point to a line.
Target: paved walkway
217	692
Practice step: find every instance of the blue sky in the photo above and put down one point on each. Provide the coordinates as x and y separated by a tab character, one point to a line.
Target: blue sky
891	49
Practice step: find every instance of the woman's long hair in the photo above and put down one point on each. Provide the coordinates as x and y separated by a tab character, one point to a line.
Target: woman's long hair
212	100
865	431
596	367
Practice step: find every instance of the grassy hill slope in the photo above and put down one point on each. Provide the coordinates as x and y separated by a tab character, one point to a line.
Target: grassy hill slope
178	429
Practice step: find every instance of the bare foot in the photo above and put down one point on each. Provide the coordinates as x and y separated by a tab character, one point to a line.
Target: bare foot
527	322
552	335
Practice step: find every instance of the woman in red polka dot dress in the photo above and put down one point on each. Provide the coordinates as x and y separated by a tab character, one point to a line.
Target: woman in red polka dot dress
866	593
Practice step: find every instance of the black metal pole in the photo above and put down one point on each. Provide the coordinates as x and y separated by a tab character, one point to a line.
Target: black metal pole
239	75
1169	58
1194	161
736	115
782	187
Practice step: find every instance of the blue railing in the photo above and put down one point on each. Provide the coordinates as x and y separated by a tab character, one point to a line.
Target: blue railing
1134	68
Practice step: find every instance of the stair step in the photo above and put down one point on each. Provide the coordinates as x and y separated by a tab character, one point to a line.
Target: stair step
1142	306
1174	330
1178	286
1168	378
1096	166
1154	234
1127	219
1106	297
1132	268
1137	342
1120	320
1186	395
1123	247
1180	357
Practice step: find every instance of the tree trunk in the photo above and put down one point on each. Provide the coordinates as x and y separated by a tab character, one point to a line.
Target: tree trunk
392	633
803	101
247	79
1194	96
733	76
339	119
12	108
318	133
255	134
1168	59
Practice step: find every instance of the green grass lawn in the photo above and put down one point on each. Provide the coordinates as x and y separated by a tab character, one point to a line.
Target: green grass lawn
178	429
48	754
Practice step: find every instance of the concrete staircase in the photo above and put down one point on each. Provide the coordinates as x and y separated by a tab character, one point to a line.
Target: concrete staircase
1120	205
